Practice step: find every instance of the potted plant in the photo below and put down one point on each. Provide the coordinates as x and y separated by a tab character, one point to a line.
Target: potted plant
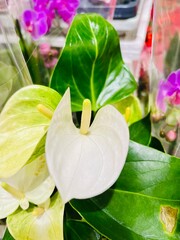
77	158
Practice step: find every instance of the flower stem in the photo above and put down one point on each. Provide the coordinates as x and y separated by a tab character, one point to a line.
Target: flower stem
85	117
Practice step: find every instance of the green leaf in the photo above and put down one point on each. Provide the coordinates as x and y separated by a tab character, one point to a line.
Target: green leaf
7	235
150	172
78	230
140	131
155	143
91	64
134	206
123	215
22	126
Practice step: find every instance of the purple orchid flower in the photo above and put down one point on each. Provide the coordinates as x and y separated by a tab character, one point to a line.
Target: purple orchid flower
67	9
48	7
169	91
35	23
38	21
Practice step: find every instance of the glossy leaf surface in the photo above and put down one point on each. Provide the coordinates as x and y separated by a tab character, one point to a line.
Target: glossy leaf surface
91	64
140	131
22	126
78	230
150	172
133	207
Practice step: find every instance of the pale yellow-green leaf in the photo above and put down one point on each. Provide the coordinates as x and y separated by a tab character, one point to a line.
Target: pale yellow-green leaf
22	126
130	108
38	222
85	165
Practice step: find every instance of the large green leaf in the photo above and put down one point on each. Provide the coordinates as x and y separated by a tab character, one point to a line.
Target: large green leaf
121	215
133	208
22	126
91	64
151	172
79	230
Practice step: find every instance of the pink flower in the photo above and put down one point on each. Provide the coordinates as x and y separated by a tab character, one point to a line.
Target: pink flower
49	55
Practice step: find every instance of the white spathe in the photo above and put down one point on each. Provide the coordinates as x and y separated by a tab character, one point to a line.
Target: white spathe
85	165
32	182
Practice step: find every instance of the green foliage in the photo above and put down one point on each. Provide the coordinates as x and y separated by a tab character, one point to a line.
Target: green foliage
79	230
141	131
7	235
132	208
91	64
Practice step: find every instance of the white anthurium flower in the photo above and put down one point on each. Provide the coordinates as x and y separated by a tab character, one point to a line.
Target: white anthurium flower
85	162
31	184
44	221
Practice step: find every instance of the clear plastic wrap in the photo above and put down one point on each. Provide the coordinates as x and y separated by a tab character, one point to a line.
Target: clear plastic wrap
14	73
165	74
103	7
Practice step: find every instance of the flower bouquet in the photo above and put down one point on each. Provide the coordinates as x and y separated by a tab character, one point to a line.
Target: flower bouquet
77	158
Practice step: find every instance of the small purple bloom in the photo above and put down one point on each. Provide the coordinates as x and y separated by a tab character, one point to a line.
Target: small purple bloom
67	9
48	7
35	23
169	91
